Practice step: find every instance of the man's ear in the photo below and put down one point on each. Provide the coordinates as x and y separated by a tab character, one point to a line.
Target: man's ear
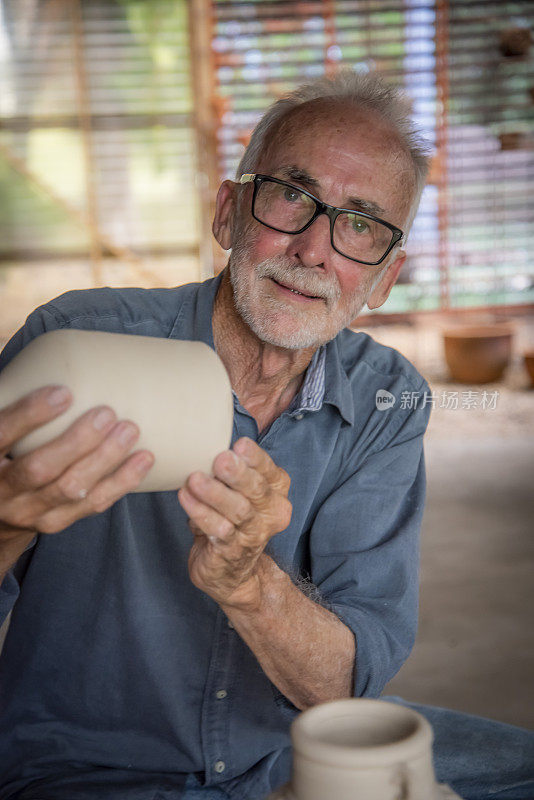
224	214
380	293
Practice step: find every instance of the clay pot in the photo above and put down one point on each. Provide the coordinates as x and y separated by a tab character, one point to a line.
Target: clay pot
515	41
356	748
514	140
529	364
478	353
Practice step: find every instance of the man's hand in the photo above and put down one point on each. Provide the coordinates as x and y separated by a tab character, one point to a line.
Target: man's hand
233	515
81	472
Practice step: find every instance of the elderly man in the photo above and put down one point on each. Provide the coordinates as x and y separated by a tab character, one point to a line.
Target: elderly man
145	662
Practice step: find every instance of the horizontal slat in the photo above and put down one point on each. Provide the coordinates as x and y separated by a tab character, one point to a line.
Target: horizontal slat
262	49
99	122
139	112
255	53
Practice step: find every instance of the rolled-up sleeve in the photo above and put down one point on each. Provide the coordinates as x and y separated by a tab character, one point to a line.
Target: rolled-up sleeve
365	553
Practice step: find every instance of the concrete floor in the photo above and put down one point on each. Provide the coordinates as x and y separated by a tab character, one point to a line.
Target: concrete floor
475	646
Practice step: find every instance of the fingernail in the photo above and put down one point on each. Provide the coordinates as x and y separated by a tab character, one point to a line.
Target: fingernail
126	434
102	418
235	457
242	444
58	396
144	463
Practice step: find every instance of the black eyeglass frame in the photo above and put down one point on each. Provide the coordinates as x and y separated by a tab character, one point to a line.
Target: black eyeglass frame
332	212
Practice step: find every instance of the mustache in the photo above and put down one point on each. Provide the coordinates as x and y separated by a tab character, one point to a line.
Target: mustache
283	270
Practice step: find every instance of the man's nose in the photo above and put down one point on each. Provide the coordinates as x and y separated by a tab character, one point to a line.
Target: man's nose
312	246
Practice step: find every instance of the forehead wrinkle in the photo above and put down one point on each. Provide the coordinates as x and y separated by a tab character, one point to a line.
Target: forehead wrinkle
297	122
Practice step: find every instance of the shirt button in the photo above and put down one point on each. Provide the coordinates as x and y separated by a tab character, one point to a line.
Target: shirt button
230	624
299	416
221	694
219	766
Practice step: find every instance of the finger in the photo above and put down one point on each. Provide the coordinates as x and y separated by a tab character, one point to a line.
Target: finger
272	508
209	521
46	463
125	479
200	538
257	458
212	492
30	412
232	470
82	476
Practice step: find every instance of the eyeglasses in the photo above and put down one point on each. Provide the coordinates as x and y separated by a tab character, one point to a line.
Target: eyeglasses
289	209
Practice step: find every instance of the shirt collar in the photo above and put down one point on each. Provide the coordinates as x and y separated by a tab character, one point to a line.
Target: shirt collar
325	382
311	394
338	391
201	327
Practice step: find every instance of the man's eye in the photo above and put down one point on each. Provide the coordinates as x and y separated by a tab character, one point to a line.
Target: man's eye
358	224
292	196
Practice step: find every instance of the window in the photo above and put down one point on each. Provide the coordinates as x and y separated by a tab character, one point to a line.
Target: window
97	149
120	117
473	238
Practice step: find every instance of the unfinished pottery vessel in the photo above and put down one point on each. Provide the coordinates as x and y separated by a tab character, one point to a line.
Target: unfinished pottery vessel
478	353
359	749
177	392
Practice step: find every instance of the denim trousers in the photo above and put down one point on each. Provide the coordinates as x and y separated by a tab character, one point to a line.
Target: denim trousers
481	759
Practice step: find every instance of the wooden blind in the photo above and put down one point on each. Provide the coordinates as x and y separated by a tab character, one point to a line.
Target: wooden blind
96	141
472	242
97	146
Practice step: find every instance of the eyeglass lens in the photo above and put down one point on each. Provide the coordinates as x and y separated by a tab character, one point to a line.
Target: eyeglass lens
287	209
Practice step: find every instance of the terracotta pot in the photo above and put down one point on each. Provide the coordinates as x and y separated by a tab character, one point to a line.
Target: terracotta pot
529	364
515	41
359	749
513	140
478	353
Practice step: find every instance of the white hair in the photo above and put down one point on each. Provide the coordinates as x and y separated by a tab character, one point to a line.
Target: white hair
366	91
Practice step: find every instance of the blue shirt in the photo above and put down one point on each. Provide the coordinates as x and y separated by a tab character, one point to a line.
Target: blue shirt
118	676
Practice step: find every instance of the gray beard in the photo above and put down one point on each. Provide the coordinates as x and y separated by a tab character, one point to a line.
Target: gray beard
306	333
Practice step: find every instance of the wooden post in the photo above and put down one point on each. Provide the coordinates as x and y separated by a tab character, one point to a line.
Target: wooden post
79	217
201	27
84	116
442	121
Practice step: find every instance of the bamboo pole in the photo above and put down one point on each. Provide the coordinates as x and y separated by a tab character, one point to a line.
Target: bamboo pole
79	217
442	83
466	314
84	116
205	120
